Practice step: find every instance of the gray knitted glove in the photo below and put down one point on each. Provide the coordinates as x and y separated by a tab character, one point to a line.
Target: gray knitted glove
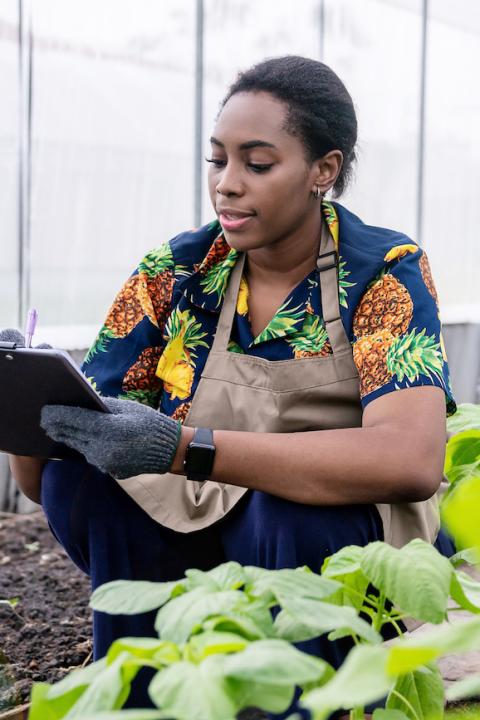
12	335
132	440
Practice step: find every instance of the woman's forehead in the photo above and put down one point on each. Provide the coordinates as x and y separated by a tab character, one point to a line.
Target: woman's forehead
251	116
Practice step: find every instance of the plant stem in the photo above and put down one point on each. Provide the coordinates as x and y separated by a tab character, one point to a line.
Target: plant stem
379	616
357	713
404	700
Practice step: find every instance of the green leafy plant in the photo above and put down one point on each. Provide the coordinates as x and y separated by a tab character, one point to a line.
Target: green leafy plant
219	649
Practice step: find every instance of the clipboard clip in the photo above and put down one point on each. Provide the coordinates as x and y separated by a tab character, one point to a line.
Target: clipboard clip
8	345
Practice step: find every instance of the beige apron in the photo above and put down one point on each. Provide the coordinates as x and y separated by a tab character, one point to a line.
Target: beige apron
246	393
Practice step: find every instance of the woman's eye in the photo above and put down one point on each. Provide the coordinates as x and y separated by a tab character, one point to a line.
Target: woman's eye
216	163
259	168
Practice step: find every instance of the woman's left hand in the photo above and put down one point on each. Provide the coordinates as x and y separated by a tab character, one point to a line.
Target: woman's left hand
130	440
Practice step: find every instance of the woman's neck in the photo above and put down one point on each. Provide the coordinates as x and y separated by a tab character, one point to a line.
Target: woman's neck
286	262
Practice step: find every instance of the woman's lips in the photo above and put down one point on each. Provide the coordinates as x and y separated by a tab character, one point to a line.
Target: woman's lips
230	222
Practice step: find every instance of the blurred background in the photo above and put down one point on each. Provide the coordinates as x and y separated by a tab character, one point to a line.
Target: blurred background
107	110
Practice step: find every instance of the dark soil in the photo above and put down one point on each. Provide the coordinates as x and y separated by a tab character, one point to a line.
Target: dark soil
48	632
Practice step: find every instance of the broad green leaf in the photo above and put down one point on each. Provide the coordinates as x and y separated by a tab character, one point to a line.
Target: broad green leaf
272	698
444	640
465	591
459	473
423	692
462	449
228	576
344	566
130	597
461	511
109	689
322	617
296	583
471	556
383	714
194	692
183	615
199	578
466	688
274	662
362	679
44	709
76	679
287	627
210	643
467	417
241	624
145	649
415	578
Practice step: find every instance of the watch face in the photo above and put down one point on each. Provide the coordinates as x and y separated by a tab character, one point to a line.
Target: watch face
200	459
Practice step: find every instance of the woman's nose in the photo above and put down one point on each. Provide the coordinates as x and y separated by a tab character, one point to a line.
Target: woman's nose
229	182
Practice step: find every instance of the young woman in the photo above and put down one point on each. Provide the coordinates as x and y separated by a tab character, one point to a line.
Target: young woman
277	377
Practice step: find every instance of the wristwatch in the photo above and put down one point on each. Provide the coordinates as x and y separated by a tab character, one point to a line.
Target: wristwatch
199	456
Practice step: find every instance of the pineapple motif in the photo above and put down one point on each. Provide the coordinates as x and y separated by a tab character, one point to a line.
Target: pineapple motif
217	276
281	324
312	340
141	375
234	347
381	356
181	412
177	362
386	305
242	300
140	297
427	276
146	397
331	218
217	252
399	251
342	283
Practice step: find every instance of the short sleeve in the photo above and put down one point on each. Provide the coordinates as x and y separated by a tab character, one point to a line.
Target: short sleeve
397	334
123	359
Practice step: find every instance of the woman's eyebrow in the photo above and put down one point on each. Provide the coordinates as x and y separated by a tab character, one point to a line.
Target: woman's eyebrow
246	145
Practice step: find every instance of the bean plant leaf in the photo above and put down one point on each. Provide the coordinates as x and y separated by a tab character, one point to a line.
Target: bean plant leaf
194	692
109	689
161	652
250	628
273	698
383	714
465	591
466	688
228	576
462	449
419	694
274	662
345	567
467	417
362	679
43	708
210	643
129	715
415	578
461	510
130	597
183	615
471	556
77	679
320	618
409	653
296	583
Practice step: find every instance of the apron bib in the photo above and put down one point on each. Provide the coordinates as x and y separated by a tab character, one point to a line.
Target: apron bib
251	394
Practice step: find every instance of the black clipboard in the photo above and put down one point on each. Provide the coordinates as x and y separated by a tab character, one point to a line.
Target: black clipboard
30	379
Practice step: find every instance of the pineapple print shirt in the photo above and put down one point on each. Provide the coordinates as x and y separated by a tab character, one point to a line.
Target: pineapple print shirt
156	337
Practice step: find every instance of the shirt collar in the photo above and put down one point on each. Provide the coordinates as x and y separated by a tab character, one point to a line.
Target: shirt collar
207	285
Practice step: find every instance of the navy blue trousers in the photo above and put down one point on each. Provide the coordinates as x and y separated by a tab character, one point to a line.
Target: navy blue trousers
109	537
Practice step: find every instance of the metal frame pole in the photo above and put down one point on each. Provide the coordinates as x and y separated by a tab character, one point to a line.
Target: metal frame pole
321	18
198	132
421	135
24	154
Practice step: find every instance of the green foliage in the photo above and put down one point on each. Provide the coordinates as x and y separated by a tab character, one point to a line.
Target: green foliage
219	649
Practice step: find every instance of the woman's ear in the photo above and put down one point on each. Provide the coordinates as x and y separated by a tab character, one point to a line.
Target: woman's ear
327	169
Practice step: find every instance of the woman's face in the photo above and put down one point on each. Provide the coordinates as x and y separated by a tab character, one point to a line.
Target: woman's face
259	180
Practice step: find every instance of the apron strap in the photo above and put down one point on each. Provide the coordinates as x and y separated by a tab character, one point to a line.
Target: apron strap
327	265
229	305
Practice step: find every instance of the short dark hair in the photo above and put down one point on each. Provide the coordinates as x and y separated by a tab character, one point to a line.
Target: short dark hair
320	109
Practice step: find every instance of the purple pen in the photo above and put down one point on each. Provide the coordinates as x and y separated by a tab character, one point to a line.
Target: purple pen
30	326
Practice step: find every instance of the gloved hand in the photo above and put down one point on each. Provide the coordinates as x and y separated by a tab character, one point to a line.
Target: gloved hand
134	439
12	335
